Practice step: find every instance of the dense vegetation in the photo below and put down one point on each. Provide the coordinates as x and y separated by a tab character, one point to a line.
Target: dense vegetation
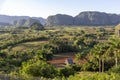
25	52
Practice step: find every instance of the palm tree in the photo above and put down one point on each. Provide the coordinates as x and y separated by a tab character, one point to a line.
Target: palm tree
105	50
115	48
95	52
99	52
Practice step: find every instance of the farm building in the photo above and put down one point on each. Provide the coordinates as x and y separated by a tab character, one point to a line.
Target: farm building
117	30
69	61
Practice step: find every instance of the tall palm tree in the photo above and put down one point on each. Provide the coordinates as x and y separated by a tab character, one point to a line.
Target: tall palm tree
99	52
105	50
96	52
115	48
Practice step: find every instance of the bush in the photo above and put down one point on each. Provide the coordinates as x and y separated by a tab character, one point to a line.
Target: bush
44	54
38	69
115	69
66	72
76	67
89	66
95	76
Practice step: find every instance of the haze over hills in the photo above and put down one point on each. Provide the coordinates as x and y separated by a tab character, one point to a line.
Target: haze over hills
6	20
25	22
60	19
87	18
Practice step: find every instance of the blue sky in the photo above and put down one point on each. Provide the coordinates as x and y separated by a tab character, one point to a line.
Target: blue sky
44	8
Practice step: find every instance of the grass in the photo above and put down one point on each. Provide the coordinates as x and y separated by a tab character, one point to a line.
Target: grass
28	45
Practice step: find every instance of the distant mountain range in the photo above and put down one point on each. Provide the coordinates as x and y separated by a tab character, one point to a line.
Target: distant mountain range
87	18
19	20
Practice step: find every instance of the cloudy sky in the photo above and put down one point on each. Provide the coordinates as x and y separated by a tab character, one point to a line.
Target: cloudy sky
44	8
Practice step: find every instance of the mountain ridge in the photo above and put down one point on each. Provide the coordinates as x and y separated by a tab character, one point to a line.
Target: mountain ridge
87	18
9	19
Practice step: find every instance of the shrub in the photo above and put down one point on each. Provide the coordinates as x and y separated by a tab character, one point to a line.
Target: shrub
89	66
66	72
38	69
76	67
44	54
115	69
95	76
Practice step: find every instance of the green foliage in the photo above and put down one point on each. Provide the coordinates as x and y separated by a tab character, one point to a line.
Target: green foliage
86	41
66	72
115	69
38	69
115	48
3	54
10	61
37	26
62	45
44	54
99	53
101	29
18	39
81	55
95	76
76	67
56	40
89	66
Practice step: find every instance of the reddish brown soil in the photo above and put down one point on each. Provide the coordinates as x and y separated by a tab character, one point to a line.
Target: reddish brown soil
59	60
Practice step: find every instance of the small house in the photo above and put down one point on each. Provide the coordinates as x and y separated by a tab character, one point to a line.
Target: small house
69	61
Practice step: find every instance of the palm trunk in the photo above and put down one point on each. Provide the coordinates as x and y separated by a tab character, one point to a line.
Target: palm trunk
99	65
102	65
116	61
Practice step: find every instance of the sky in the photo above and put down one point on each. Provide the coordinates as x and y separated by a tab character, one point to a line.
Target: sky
45	8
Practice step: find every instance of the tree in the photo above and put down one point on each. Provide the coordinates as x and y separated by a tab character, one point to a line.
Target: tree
82	55
66	72
37	26
44	54
115	48
80	42
99	52
37	69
